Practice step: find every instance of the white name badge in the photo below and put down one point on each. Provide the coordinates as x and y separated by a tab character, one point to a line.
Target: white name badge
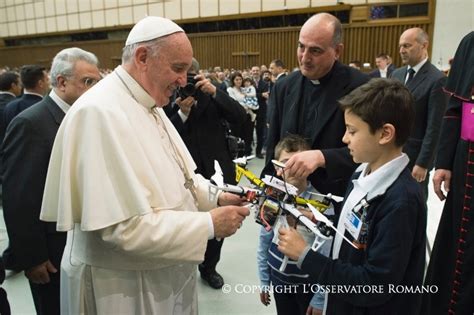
353	224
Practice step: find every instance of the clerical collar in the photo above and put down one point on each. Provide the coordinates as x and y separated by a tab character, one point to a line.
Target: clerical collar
324	79
136	91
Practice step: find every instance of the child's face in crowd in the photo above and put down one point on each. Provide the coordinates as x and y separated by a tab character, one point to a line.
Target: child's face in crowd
363	145
247	83
300	183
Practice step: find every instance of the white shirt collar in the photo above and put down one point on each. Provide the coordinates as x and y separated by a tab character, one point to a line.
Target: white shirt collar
59	101
376	183
368	187
32	93
6	92
418	66
280	74
315	82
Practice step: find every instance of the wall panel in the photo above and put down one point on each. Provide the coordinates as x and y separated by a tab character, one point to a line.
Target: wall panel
239	49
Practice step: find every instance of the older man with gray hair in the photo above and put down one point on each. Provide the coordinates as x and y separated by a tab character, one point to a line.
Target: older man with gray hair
122	182
425	83
35	246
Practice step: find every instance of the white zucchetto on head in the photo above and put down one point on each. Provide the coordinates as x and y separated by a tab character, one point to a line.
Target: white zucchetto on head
151	27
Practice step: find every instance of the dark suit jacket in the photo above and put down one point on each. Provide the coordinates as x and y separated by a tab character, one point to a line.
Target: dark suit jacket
204	133
15	107
395	255
430	105
4	100
25	157
285	99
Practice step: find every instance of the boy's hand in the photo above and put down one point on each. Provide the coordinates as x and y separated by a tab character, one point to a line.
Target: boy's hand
439	177
291	243
302	164
265	298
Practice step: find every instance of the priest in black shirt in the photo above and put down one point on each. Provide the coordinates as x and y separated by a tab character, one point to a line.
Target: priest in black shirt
306	104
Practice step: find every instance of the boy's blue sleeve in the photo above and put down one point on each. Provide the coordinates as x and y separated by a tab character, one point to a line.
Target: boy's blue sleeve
264	242
317	301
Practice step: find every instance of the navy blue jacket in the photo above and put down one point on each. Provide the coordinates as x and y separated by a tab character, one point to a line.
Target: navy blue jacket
394	256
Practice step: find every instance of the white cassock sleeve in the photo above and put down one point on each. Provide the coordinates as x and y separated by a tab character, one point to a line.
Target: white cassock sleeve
153	237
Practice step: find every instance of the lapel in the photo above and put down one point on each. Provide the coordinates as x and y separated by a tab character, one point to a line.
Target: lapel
56	112
401	74
419	77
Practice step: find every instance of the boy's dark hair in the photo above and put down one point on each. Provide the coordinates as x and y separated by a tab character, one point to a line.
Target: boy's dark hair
382	101
30	75
291	143
7	79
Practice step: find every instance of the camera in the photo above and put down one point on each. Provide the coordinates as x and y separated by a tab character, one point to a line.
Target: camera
235	145
189	89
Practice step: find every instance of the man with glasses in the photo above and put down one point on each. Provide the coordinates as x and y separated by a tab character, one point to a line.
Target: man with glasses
35	246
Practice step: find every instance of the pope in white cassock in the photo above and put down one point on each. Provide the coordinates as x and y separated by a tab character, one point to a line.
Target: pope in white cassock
122	183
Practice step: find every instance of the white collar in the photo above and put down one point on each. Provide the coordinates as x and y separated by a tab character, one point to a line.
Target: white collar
376	183
6	92
418	66
138	93
315	82
25	92
368	187
280	74
59	101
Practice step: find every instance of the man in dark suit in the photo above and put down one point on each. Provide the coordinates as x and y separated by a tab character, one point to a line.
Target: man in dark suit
425	82
35	82
305	103
35	246
383	70
199	120
10	87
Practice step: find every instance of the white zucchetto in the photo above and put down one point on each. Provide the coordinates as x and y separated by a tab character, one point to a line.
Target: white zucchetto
152	27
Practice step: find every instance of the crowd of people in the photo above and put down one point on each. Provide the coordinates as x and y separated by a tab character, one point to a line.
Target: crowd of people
89	155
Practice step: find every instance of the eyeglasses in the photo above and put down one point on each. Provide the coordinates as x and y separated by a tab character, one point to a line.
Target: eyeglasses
88	82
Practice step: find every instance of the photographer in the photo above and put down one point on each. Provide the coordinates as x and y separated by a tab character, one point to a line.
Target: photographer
198	114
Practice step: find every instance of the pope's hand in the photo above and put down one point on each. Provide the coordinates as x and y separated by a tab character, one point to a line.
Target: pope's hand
228	219
40	274
228	199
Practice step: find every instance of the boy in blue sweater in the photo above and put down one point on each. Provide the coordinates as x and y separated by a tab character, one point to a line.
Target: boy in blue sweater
290	286
383	214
